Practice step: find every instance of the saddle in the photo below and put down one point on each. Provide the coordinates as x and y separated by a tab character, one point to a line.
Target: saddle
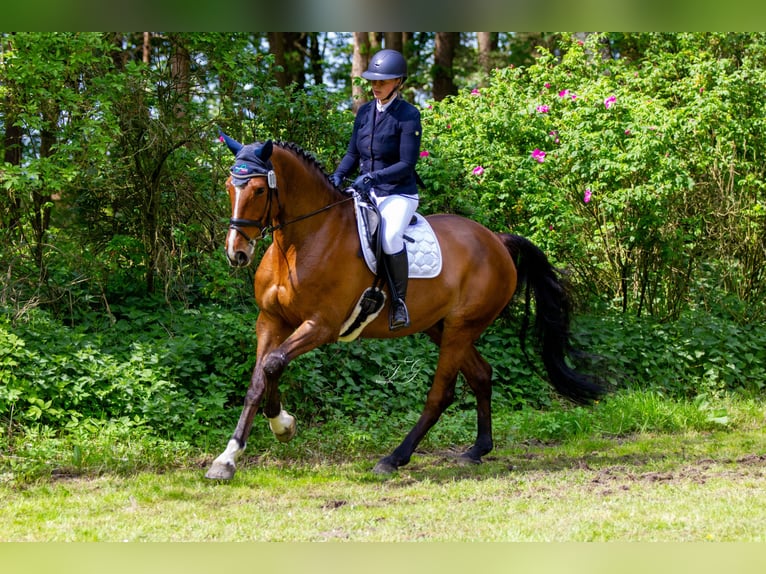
423	251
423	256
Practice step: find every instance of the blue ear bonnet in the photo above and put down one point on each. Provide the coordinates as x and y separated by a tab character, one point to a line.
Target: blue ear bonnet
250	160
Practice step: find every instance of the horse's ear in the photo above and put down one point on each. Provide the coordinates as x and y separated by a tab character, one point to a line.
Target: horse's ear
266	150
232	144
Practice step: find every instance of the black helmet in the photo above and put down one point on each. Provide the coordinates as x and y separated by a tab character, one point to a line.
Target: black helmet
386	65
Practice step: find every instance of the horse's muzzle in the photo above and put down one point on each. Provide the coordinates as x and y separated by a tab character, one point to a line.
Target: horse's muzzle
238	258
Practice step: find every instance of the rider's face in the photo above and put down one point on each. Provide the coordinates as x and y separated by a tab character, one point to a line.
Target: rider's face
383	89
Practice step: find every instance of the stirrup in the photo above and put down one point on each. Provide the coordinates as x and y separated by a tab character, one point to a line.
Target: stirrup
396	308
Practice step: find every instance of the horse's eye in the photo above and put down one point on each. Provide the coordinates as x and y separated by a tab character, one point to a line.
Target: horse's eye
260	190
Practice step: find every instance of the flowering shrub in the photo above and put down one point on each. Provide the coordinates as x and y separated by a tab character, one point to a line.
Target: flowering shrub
641	177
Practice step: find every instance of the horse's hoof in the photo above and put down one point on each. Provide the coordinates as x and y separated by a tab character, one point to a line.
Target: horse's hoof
221	471
283	426
466	460
384	468
286	436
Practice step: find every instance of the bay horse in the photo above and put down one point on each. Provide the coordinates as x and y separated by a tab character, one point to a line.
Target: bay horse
310	279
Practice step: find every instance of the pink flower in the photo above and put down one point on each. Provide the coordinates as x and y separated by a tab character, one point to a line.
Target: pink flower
478	170
424	153
542	109
475	92
586	197
538	155
627	132
547	85
609	102
563	93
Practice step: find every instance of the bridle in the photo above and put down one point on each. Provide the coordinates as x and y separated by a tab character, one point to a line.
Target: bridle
236	223
264	228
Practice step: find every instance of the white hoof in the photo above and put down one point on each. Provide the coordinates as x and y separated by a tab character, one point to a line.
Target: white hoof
283	426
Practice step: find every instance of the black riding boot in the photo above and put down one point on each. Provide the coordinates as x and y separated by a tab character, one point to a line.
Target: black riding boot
398	270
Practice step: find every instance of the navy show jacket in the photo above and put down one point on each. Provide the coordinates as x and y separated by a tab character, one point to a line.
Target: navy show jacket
387	147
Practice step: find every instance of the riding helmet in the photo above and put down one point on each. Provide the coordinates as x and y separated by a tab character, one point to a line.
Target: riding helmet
386	65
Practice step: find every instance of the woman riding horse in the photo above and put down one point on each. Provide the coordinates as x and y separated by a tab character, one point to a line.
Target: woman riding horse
279	189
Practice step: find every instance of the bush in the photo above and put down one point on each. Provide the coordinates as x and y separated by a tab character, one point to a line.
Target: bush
183	373
171	370
641	177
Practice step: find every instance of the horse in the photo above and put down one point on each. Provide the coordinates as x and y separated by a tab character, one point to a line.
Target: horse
310	278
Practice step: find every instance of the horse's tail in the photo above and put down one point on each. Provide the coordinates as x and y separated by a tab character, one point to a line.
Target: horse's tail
552	316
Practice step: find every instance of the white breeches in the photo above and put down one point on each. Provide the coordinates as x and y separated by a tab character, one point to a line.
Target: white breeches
396	211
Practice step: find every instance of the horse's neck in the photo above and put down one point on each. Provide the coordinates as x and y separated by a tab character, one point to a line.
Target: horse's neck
309	218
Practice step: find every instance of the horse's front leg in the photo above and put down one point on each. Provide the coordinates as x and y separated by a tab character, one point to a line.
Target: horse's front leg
274	353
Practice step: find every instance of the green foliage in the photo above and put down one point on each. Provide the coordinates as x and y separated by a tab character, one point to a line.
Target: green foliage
697	355
183	372
650	183
117	304
172	370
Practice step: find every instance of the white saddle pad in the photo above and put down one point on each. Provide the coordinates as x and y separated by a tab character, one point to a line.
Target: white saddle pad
423	252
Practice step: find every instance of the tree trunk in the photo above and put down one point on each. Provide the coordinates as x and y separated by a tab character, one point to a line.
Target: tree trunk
10	218
394	41
315	58
487	46
42	195
277	48
289	49
359	62
180	74
444	54
147	47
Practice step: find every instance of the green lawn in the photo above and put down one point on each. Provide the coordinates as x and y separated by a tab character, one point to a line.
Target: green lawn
692	486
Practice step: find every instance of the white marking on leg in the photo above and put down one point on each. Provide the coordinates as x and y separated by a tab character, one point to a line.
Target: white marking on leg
229	456
283	426
224	466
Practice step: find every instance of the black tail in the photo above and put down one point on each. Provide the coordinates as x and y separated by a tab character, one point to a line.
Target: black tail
553	308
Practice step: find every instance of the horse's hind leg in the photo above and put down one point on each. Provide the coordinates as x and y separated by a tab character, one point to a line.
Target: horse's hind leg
478	374
452	353
439	397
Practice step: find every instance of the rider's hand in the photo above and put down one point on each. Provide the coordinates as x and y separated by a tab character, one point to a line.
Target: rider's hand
363	183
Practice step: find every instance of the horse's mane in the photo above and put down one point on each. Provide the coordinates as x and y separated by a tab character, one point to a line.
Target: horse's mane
304	155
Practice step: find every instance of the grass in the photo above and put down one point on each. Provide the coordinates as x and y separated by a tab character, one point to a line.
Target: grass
686	471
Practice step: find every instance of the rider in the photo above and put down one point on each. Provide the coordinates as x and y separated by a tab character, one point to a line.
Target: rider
385	146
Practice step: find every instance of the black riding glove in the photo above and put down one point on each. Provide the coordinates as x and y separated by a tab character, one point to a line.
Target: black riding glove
363	183
336	180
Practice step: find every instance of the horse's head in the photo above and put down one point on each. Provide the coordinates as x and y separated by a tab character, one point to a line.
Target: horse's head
252	191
